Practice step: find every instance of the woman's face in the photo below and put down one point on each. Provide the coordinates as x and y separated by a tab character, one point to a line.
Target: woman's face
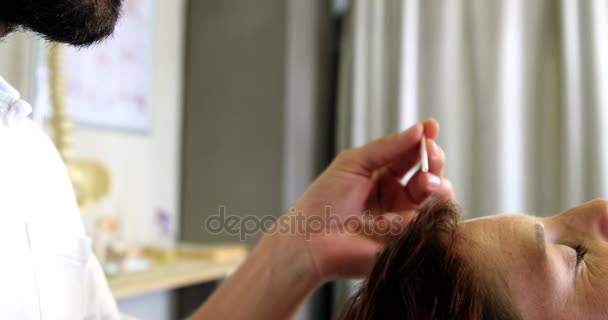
555	268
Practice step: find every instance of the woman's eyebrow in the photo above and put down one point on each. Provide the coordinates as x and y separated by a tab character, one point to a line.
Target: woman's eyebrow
540	236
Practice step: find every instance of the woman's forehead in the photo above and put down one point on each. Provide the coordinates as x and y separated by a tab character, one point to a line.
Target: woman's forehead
500	233
500	217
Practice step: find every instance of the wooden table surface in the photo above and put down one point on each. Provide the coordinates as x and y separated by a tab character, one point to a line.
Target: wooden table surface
194	264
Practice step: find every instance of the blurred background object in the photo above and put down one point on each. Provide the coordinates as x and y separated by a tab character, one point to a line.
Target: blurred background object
248	101
90	178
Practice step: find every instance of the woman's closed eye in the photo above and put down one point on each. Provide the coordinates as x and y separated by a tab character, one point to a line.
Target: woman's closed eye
581	251
573	252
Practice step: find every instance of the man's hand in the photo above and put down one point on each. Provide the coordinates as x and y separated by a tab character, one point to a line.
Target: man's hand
335	229
359	202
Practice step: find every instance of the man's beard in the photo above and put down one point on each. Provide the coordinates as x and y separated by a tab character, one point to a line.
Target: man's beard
77	22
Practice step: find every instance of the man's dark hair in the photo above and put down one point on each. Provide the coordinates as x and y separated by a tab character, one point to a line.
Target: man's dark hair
77	22
422	275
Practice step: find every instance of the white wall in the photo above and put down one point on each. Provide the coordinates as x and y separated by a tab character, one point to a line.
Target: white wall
16	62
146	168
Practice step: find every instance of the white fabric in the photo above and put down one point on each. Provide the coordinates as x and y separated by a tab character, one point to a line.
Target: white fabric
47	271
12	108
520	89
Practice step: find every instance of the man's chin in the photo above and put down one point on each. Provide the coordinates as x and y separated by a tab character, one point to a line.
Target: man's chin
78	33
81	38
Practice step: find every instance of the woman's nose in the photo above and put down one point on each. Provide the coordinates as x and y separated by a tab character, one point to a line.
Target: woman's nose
588	220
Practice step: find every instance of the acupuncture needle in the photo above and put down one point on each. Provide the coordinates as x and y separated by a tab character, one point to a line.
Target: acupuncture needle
424	156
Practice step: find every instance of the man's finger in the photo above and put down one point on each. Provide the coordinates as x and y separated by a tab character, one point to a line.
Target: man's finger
397	147
446	191
421	186
431	128
436	158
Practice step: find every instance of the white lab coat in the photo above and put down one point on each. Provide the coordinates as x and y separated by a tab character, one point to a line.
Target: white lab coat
47	270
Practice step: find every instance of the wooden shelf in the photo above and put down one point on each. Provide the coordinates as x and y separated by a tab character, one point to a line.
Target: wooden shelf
194	264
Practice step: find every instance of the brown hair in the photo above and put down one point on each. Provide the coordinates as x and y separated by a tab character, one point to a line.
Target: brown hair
421	275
